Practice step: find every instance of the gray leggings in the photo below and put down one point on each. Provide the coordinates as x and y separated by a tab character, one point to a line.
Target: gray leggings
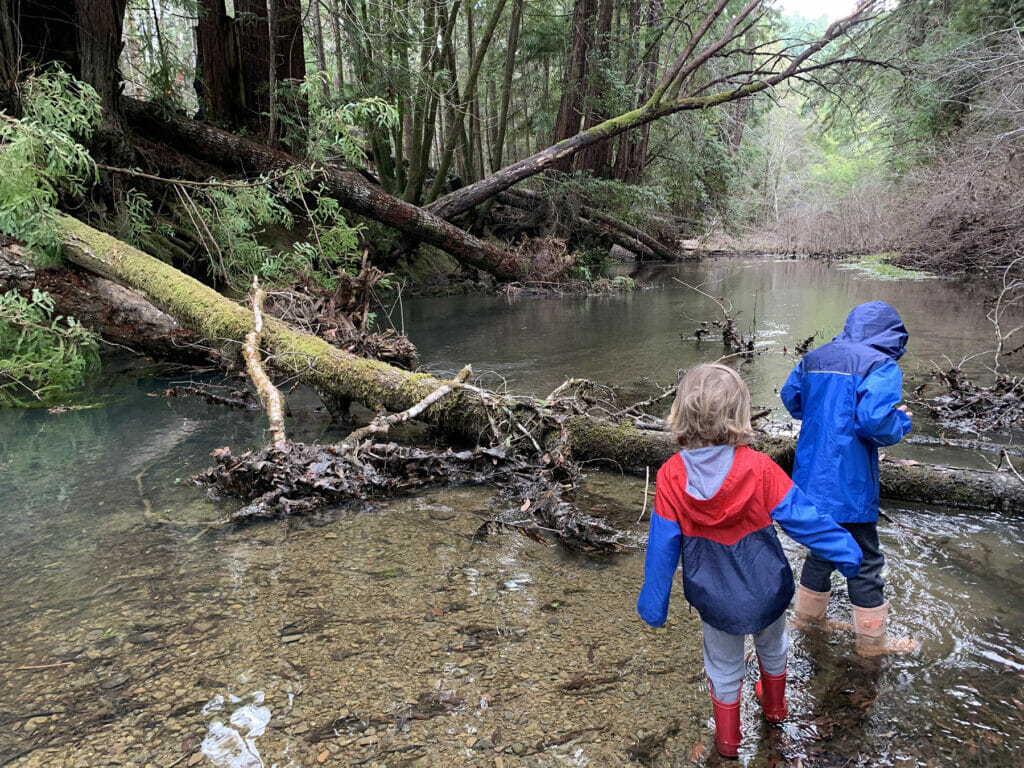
723	656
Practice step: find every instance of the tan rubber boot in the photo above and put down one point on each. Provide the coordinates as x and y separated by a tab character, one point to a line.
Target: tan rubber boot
810	607
872	639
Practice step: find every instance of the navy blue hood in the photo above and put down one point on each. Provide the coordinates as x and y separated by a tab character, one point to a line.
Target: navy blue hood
877	325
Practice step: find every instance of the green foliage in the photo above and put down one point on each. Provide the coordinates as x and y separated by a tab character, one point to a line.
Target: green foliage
248	228
336	129
42	357
880	267
697	172
629	202
137	217
333	244
227	218
41	158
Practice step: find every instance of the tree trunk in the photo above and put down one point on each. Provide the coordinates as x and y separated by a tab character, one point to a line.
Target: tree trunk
340	377
100	23
620	232
631	158
497	148
121	316
83	35
570	109
289	50
339	59
460	110
597	158
217	77
318	45
252	27
351	190
10	43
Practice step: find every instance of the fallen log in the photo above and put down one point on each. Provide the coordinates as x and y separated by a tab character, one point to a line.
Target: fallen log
350	189
468	412
121	316
619	232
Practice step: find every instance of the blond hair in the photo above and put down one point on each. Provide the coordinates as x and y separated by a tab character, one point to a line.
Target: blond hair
712	407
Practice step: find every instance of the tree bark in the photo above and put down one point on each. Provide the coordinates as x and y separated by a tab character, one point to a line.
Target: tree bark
318	45
121	316
618	231
10	43
597	158
570	109
512	47
217	77
100	23
343	377
351	190
458	128
252	26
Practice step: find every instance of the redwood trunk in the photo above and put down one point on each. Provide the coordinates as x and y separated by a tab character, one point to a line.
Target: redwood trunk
597	158
217	73
253	32
570	107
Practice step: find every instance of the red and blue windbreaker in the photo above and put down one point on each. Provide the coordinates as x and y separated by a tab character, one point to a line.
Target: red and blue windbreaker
734	570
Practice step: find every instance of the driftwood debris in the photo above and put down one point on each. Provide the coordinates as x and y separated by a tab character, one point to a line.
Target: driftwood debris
467	412
972	407
302	478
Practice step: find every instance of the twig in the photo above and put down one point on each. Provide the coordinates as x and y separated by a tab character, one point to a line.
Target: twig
230	184
564	386
36	667
647	484
1009	463
382	425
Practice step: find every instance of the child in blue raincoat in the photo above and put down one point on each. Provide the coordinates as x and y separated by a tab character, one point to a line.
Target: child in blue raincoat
714	505
847	394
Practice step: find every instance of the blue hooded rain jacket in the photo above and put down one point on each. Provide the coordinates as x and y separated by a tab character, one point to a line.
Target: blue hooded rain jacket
846	393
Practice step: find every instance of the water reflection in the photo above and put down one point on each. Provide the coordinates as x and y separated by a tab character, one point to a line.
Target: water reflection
534	343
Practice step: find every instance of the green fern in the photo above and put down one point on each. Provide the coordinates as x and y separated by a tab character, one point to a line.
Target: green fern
42	357
41	159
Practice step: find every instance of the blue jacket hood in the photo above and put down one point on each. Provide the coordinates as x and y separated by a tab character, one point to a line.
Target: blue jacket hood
877	325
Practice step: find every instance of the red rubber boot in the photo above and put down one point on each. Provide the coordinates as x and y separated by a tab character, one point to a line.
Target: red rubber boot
727	726
771	692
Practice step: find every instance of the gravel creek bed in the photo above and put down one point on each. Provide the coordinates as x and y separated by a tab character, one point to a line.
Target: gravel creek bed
387	637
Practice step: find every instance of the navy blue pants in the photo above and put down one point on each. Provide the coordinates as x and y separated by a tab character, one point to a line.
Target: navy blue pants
867	587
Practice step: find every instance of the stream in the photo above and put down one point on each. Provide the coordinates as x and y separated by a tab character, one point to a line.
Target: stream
387	634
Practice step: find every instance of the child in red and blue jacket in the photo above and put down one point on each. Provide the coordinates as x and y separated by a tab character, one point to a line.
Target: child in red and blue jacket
847	394
714	505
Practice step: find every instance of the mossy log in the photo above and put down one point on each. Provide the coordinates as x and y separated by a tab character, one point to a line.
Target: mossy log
337	375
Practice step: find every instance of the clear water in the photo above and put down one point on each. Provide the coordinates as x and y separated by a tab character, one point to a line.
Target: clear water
388	635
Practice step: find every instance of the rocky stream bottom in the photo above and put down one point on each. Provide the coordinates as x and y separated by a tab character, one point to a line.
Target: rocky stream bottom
392	636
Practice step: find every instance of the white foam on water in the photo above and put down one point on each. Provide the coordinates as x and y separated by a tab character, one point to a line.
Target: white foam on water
235	747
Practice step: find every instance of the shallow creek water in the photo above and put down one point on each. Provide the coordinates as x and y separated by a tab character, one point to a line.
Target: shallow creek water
385	634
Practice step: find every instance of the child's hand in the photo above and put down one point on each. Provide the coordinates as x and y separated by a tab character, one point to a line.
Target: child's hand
905	410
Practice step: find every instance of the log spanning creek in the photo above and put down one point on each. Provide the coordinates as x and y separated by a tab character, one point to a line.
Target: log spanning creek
386	634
